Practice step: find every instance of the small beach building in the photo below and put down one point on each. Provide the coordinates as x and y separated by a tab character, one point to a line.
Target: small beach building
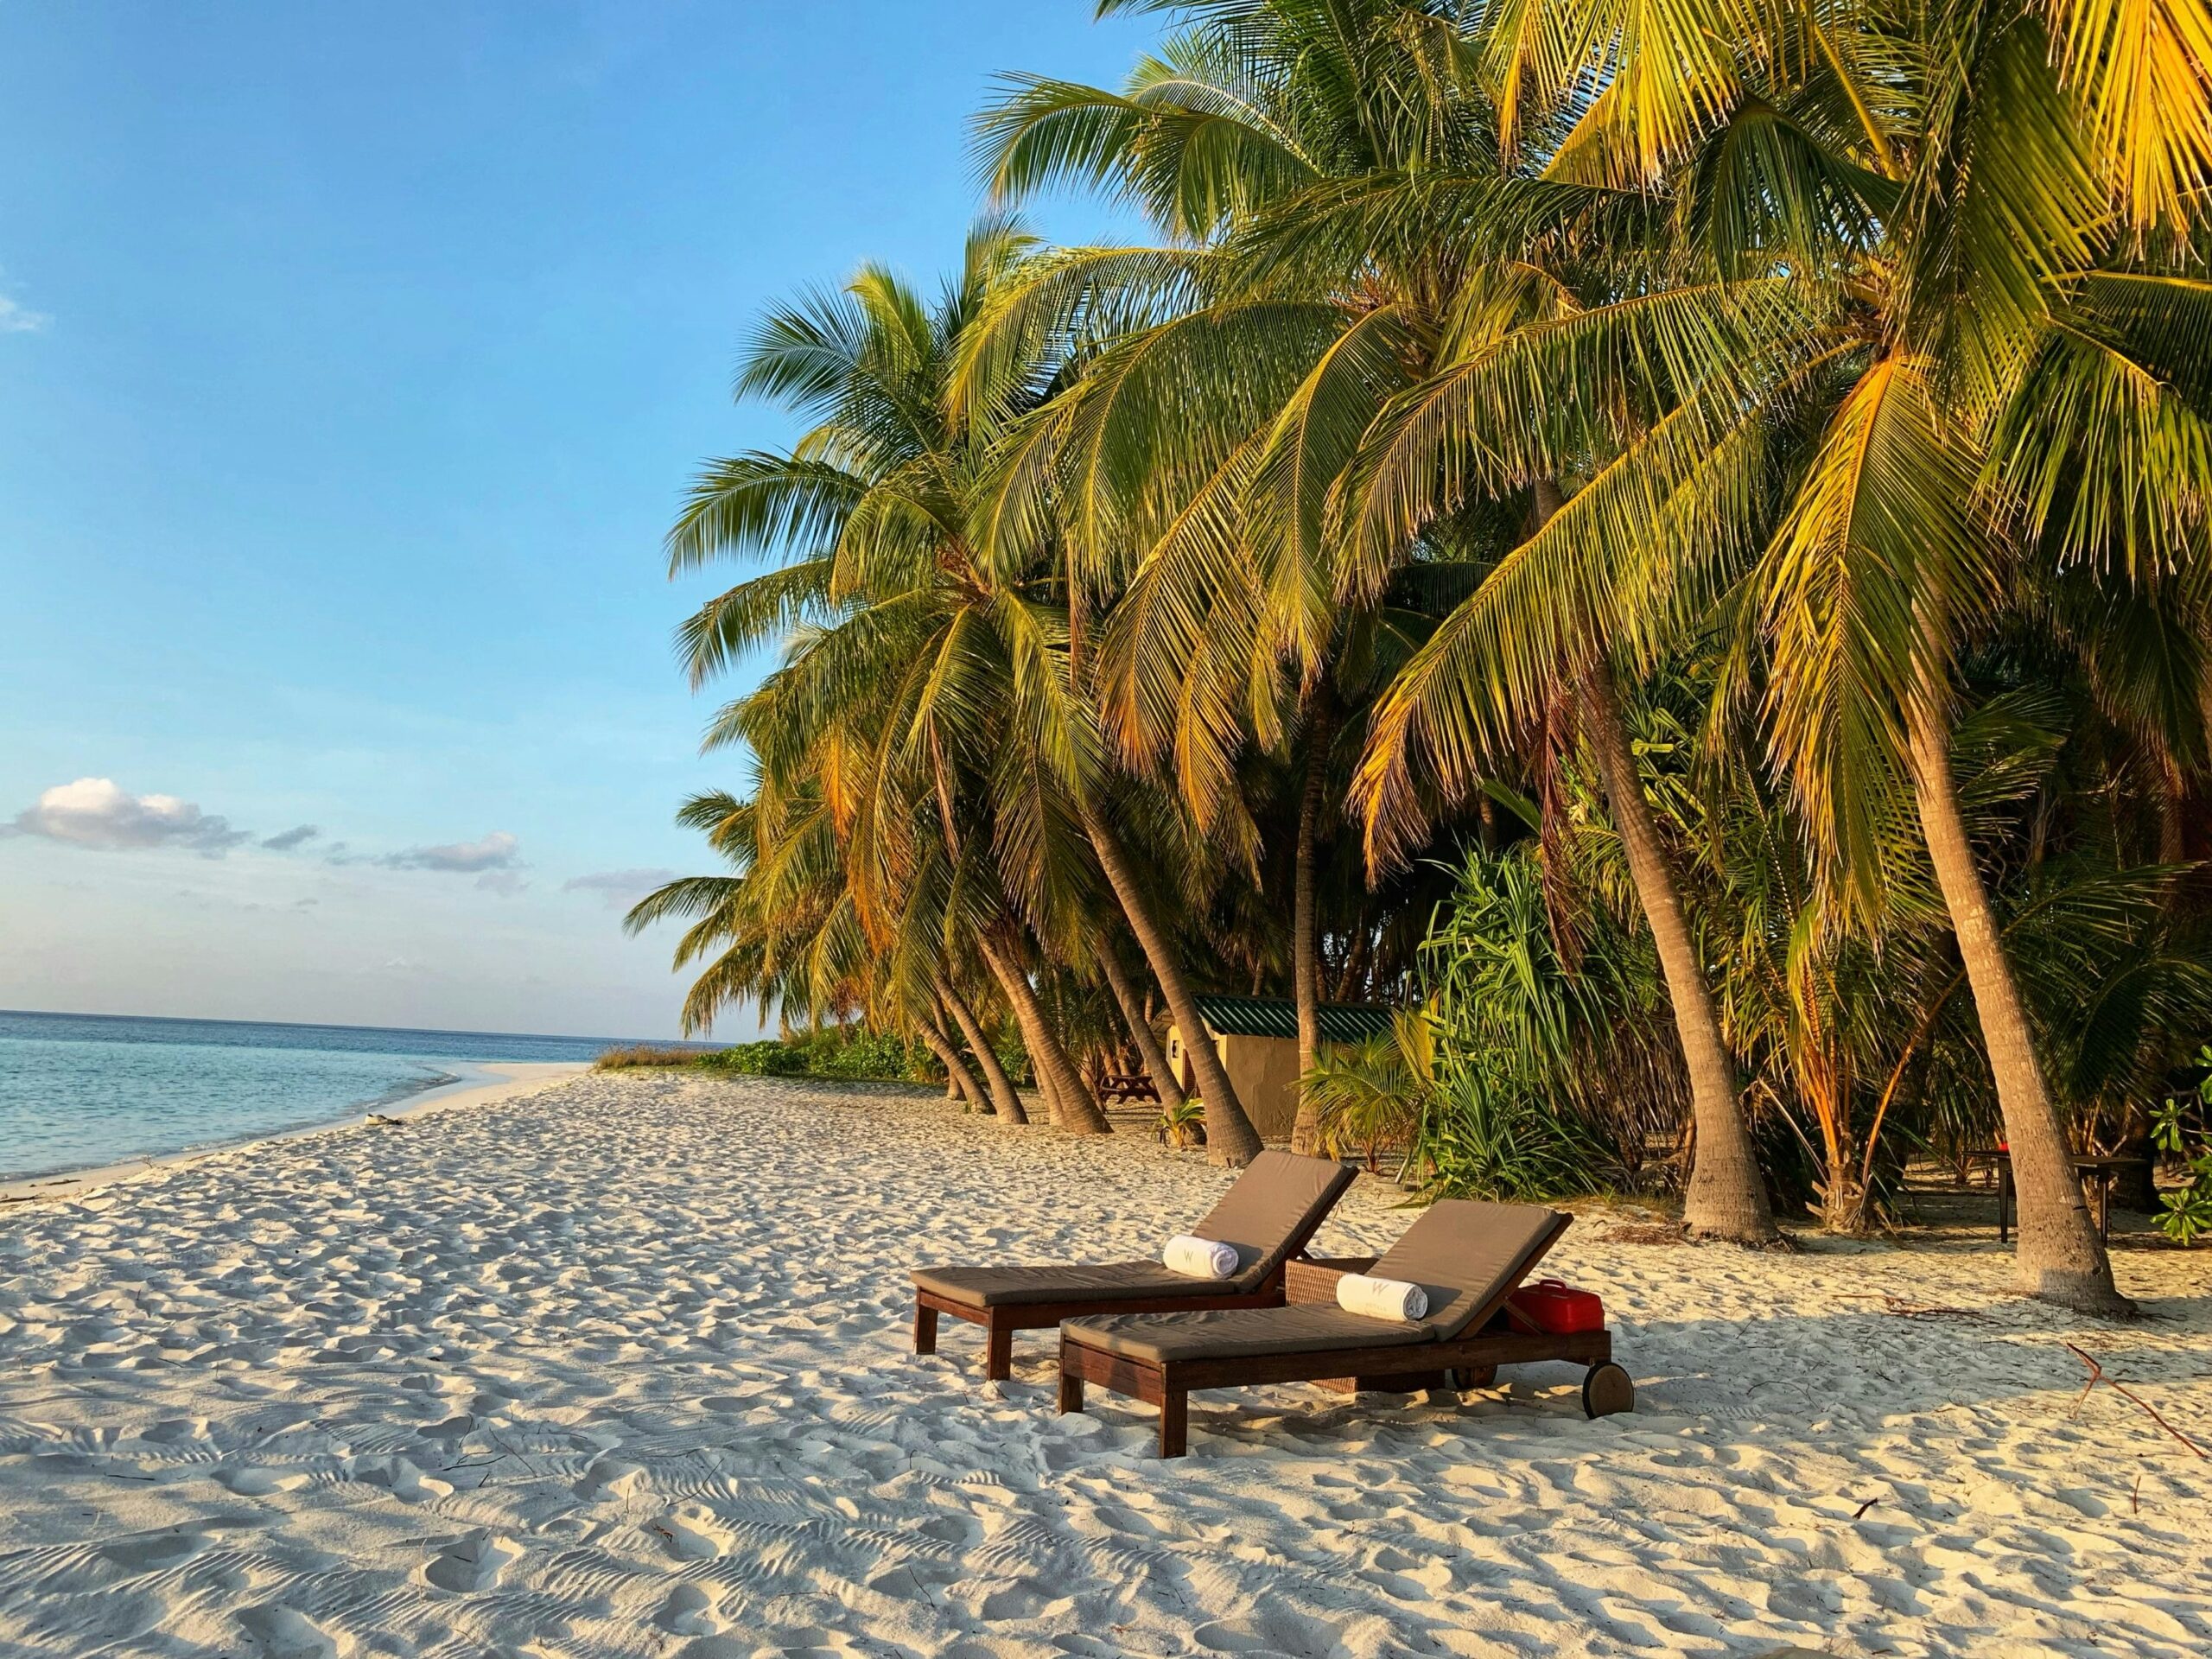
1257	1039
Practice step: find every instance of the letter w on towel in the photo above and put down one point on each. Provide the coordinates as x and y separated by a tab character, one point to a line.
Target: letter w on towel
1382	1299
1201	1258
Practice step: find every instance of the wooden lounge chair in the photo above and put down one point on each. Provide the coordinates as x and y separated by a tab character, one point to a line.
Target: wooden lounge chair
1468	1257
1268	1216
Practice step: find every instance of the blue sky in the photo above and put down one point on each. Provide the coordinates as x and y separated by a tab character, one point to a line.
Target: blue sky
352	362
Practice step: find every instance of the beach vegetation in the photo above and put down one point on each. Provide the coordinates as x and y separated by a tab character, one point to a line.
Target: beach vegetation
845	1052
768	1058
1181	1124
2180	1130
635	1056
849	1053
1675	547
1377	1095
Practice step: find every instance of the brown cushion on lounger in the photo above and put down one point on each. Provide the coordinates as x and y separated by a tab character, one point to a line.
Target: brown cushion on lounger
1303	1328
1468	1256
1274	1208
1064	1281
1271	1210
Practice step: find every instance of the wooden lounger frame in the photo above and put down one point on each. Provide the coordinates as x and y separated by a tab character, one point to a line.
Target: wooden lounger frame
1411	1365
1002	1321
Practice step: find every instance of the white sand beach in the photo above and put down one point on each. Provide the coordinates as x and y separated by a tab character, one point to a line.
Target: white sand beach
622	1367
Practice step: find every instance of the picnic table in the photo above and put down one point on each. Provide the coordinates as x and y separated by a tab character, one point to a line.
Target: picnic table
2102	1168
1125	1086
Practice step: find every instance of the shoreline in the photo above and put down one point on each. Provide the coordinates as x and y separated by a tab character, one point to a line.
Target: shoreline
480	1083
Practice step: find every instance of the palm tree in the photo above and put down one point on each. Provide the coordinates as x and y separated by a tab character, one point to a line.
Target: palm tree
775	931
1948	325
897	693
941	676
1321	160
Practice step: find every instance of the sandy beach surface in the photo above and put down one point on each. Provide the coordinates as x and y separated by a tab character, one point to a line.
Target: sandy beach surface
622	1366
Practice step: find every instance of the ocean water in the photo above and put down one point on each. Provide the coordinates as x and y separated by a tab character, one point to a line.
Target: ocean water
77	1090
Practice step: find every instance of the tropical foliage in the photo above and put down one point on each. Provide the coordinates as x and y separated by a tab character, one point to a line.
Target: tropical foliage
1671	540
2187	1212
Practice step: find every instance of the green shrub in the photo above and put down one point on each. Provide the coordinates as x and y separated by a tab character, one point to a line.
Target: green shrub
843	1054
1006	1043
1516	1036
1181	1127
864	1055
2189	1211
766	1058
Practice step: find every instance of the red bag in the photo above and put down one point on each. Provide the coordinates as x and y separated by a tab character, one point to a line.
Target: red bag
1557	1309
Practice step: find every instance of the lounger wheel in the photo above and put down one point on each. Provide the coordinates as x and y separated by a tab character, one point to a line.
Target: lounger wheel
1473	1376
1606	1391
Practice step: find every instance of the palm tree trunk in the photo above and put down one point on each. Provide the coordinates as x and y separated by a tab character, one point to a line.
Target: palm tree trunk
1074	1109
959	1078
1348	982
1148	1048
1305	925
1004	1101
1032	1044
1231	1138
2060	1258
1727	1196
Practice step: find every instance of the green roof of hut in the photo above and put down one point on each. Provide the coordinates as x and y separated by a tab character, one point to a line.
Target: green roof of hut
1277	1016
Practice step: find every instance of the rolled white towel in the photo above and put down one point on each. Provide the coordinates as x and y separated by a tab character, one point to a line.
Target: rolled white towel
1201	1258
1382	1299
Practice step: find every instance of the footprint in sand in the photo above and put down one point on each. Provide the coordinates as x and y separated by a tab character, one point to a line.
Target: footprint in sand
740	1401
407	1484
688	1611
282	1633
1023	1599
609	1478
471	1566
176	1431
155	1552
258	1482
694	1534
1273	1630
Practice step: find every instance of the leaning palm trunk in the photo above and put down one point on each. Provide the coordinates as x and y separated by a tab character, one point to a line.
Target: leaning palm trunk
959	1078
1231	1138
1725	1199
2059	1258
1004	1101
1073	1109
1148	1048
1306	931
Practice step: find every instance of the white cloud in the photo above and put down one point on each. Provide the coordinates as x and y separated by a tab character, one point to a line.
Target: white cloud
19	319
96	812
497	851
619	889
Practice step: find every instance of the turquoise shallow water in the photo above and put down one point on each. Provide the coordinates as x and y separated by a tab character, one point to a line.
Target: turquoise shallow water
77	1090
